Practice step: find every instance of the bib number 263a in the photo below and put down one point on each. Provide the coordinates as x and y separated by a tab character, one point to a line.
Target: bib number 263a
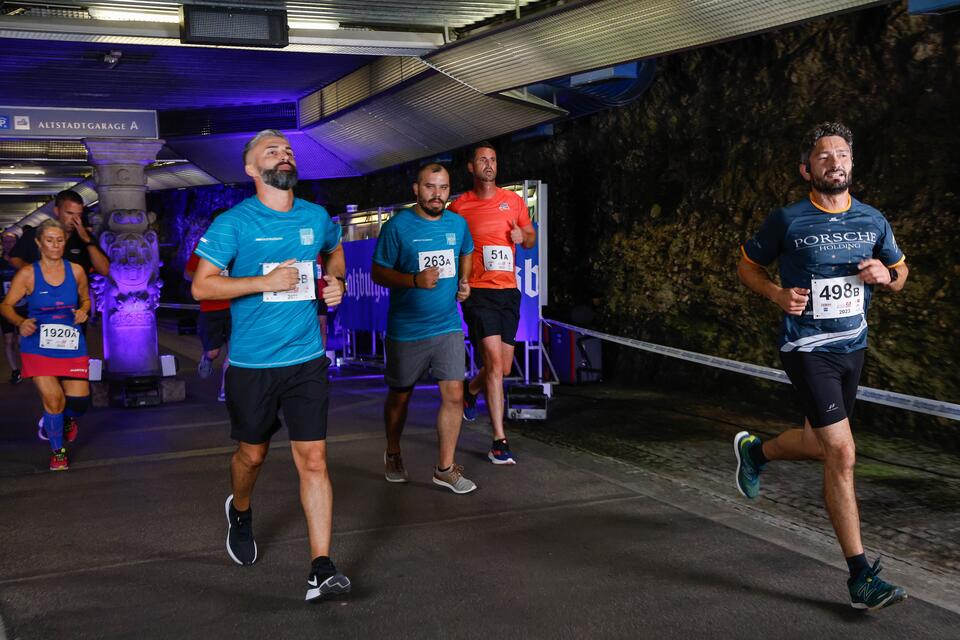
442	259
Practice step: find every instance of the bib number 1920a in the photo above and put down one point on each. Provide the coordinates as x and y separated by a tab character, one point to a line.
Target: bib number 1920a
59	336
837	297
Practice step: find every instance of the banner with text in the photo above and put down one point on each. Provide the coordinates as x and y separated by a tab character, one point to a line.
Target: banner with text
364	307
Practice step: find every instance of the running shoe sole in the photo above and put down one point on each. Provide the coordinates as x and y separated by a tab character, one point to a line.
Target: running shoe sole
737	439
898	596
226	508
442	483
336	585
492	458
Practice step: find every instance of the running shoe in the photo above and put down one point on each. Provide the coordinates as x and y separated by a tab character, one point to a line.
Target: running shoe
41	433
867	591
15	377
240	543
222	396
748	474
500	453
205	367
70	429
453	479
393	469
469	403
58	460
325	581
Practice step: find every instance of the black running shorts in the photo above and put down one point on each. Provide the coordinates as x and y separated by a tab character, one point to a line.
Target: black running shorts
492	312
825	382
255	398
214	328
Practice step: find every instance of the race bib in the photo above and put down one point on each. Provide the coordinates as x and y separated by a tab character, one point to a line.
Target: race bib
306	289
59	336
497	258
442	259
837	297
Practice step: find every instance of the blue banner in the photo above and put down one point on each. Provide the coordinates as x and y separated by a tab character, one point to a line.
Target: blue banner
54	122
364	307
527	268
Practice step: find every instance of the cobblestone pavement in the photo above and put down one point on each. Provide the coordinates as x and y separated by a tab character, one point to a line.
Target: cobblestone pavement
909	492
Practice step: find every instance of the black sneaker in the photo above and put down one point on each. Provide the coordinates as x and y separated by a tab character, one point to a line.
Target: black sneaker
15	377
240	543
325	581
469	403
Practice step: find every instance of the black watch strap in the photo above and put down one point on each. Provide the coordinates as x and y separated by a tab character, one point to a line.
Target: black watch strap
894	274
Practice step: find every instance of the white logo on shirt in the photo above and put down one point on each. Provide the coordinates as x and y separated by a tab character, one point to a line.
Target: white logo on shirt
268	239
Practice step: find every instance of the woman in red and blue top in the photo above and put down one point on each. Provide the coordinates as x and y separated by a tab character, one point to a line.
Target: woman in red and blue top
53	348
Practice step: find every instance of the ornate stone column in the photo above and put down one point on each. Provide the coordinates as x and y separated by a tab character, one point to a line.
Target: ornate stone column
129	296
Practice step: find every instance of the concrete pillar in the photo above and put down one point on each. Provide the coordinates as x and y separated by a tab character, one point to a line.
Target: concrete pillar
129	296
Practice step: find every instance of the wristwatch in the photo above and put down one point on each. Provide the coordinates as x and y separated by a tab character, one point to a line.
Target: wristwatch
344	282
894	274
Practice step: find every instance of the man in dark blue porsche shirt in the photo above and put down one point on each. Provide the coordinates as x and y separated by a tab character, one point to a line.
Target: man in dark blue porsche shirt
832	251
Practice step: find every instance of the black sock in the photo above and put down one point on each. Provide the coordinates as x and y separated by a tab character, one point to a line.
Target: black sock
756	455
857	564
444	470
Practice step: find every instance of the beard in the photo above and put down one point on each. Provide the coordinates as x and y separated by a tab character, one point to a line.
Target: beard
284	180
433	208
832	188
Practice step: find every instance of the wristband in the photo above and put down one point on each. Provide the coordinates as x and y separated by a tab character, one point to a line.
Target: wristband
415	286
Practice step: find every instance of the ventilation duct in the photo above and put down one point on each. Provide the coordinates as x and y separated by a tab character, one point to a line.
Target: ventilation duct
590	35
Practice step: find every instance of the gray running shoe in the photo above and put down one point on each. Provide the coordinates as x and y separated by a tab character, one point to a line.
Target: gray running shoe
393	469
205	367
453	479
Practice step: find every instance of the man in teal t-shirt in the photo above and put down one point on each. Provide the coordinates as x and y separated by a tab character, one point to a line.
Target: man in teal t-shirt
270	243
423	256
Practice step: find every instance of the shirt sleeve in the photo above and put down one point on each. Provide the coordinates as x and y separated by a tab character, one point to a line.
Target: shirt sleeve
886	249
332	233
523	217
220	242
466	247
766	245
387	250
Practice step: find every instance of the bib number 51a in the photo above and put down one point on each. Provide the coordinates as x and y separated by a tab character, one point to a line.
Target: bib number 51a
837	297
59	336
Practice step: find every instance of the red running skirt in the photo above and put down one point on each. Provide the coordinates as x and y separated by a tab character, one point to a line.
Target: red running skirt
34	365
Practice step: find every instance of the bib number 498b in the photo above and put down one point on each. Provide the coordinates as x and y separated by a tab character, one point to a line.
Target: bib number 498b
837	297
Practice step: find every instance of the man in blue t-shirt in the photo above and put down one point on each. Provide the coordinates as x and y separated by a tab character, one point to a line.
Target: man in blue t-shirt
423	257
832	252
277	361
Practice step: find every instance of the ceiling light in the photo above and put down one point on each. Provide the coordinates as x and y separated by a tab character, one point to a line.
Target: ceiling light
23	171
133	15
308	23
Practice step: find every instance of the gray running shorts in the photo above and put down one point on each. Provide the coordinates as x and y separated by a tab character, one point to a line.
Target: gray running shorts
407	361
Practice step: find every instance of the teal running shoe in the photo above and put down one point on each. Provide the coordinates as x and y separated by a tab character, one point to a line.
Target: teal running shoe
867	591
748	474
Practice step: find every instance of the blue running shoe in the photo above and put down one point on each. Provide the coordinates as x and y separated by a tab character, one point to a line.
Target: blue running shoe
748	474
500	453
867	591
469	403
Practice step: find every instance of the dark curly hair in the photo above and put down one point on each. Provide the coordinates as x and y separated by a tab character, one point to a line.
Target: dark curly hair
823	130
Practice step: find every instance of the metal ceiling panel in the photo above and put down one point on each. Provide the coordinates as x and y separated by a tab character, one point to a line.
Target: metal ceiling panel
357	86
590	35
412	13
221	156
432	115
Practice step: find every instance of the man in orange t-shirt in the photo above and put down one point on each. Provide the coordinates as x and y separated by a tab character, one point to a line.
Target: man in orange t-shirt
498	221
213	325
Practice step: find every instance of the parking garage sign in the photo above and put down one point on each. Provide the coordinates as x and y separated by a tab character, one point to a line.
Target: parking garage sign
51	122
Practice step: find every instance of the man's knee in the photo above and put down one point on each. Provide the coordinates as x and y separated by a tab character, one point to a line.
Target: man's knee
251	457
313	458
841	456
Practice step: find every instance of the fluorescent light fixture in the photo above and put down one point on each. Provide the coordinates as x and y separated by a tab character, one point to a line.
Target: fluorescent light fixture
132	15
22	172
310	23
